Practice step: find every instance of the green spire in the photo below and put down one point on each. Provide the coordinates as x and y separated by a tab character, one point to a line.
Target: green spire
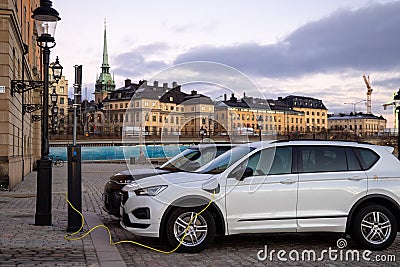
105	66
104	82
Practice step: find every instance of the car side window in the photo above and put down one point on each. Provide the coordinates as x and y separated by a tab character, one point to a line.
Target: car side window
259	164
282	163
323	158
366	156
352	161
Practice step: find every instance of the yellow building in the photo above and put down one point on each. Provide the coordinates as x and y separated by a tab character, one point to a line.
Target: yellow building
316	114
61	89
360	124
256	115
20	60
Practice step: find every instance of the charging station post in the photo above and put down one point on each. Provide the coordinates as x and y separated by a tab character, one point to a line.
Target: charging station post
75	163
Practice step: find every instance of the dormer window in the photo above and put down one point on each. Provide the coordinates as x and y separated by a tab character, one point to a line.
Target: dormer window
171	99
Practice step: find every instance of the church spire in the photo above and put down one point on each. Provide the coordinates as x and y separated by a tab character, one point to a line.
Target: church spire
105	66
104	82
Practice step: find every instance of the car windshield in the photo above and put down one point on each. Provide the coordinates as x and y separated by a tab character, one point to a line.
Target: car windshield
193	158
177	163
220	164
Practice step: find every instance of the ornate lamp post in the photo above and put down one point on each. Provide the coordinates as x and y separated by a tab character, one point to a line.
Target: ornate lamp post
396	99
202	133
46	19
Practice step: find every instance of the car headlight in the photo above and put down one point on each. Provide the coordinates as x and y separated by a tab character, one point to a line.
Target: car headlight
125	181
131	187
150	191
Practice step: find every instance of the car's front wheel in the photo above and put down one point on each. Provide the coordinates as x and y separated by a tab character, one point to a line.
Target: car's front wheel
374	227
195	231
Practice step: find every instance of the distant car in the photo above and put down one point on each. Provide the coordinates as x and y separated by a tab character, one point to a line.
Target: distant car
188	160
276	186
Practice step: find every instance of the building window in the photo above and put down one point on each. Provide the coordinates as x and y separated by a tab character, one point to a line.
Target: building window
61	111
308	120
99	118
153	104
121	105
121	117
111	106
137	104
192	109
203	121
172	107
308	113
146	103
317	113
203	108
154	118
177	120
137	117
171	99
182	109
61	89
61	100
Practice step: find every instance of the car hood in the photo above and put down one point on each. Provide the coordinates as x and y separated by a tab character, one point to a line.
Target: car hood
137	174
174	178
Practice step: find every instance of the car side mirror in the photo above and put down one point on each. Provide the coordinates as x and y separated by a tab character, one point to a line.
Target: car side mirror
241	173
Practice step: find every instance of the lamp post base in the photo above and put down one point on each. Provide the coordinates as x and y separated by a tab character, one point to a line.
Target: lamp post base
43	196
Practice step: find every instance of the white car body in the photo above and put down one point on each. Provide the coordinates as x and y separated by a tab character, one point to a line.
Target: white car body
299	201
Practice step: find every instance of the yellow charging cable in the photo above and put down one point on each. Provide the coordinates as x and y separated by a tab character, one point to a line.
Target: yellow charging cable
70	238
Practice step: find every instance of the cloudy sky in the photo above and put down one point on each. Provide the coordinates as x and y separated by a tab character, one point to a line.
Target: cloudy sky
307	47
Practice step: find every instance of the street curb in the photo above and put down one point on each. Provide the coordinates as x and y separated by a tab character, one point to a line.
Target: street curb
107	255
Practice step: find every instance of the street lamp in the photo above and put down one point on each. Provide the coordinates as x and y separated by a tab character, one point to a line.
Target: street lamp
396	99
46	19
354	104
202	133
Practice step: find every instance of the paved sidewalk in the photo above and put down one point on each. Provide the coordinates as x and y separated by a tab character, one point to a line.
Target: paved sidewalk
24	244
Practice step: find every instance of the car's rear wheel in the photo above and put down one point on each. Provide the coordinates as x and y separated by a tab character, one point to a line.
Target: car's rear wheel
374	227
195	231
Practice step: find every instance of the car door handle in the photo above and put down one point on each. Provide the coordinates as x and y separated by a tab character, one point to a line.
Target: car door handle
355	178
288	181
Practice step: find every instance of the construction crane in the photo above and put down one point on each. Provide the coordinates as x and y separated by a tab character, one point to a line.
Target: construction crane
369	93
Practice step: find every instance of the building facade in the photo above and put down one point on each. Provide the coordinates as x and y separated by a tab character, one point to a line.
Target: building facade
316	114
360	124
61	89
263	116
20	60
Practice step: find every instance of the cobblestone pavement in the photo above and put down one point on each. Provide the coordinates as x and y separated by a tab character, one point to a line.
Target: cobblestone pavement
25	244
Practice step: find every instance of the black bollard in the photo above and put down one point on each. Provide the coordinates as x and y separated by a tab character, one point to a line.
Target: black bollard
74	187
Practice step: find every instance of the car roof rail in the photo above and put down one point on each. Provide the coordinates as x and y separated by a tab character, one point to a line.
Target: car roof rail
325	140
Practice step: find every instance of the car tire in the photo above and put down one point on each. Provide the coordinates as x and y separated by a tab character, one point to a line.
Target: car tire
374	227
198	237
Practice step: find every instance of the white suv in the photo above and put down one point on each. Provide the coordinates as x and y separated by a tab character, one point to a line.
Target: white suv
275	186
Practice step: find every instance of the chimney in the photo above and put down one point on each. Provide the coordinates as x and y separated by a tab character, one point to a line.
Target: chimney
233	98
244	94
225	97
174	84
127	82
194	92
155	84
165	86
280	98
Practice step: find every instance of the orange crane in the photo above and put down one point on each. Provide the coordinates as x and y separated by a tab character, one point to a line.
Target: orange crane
369	93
